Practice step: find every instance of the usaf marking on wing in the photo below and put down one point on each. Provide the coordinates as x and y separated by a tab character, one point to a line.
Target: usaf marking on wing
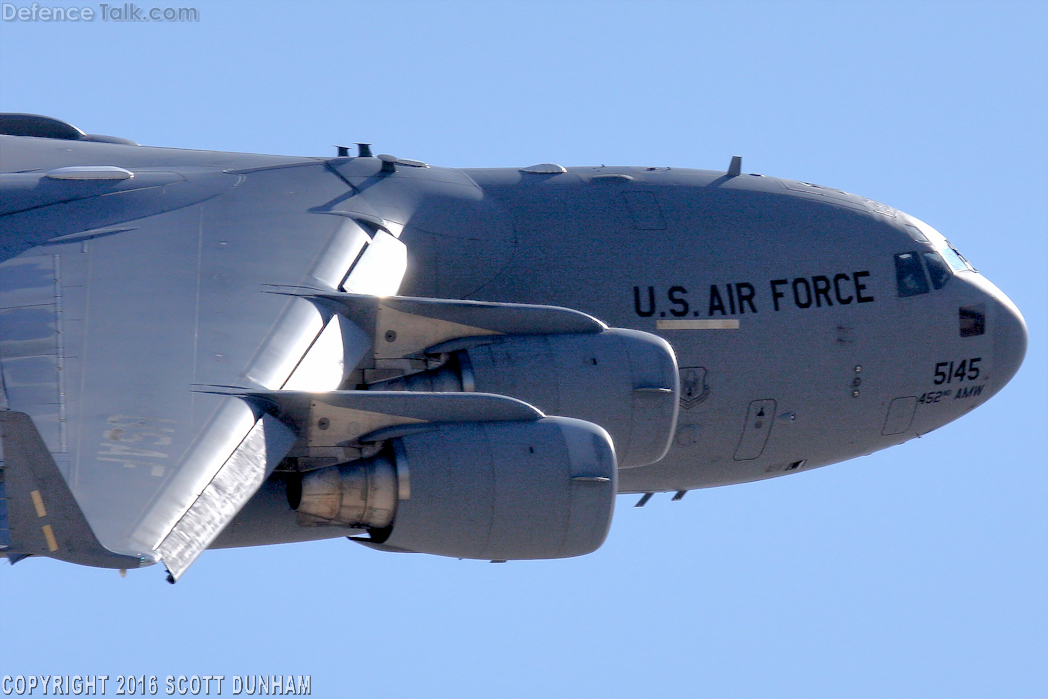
205	350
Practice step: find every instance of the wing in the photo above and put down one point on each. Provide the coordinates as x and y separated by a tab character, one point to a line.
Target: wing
178	324
137	287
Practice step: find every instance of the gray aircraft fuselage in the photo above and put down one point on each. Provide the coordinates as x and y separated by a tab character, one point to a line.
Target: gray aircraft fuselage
809	325
824	341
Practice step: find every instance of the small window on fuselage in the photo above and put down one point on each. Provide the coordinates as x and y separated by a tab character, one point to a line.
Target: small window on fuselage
973	320
909	275
916	234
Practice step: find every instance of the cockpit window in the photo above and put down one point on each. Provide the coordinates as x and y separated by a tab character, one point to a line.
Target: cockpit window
916	234
953	258
922	232
937	269
909	275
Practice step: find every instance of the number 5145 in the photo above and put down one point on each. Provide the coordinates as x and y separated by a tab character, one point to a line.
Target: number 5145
966	370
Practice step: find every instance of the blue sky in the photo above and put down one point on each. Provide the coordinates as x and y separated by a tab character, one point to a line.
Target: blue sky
921	571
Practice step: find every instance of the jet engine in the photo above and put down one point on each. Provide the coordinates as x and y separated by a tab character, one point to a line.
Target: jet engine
623	380
484	490
561	361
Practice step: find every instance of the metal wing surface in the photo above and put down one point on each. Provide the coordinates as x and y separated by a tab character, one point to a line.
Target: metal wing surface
111	334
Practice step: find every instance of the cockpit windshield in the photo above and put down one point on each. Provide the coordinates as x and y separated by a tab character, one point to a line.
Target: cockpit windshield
942	246
937	269
953	258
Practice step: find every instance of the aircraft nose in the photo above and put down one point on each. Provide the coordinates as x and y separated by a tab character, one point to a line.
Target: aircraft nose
1009	337
1006	327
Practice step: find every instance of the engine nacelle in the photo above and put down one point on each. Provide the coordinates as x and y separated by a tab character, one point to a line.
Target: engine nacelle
486	490
626	381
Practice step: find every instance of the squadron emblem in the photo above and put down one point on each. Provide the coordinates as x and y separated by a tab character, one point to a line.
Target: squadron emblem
693	386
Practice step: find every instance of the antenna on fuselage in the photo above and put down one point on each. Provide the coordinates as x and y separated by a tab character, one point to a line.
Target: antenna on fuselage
735	169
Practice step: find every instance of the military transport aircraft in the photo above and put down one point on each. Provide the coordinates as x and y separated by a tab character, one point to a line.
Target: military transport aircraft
204	350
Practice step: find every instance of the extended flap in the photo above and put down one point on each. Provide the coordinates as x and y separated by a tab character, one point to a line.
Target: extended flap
236	481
